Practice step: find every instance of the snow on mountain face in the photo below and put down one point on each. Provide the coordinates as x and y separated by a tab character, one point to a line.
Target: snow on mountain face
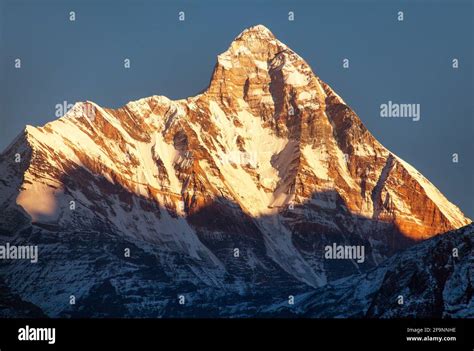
268	160
434	279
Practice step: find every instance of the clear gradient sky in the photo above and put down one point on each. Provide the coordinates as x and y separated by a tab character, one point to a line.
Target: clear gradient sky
406	62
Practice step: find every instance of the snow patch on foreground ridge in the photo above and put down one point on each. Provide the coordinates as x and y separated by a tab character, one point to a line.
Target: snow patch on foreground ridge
441	290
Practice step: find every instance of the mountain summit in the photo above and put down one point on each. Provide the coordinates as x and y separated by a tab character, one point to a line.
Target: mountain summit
245	183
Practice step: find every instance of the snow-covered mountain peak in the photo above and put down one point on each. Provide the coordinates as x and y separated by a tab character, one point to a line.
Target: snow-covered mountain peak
267	155
258	30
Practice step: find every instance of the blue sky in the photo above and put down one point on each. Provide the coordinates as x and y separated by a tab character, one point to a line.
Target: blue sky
406	62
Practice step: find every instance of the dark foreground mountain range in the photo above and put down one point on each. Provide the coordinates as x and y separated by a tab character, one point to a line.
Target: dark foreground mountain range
434	280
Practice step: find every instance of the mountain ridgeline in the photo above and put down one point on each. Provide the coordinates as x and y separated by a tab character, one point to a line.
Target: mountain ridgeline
227	198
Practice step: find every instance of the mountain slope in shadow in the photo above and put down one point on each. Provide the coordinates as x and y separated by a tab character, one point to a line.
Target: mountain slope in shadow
433	279
89	264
